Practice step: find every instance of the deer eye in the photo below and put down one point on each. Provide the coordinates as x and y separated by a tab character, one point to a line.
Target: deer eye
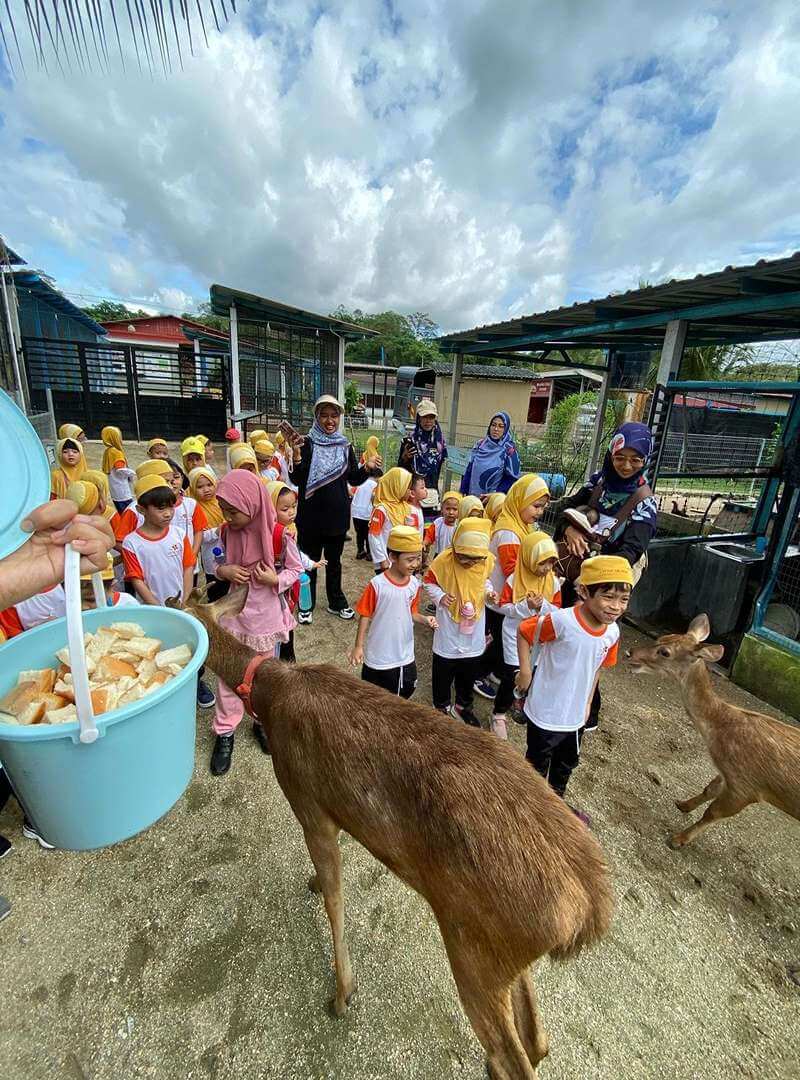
663	652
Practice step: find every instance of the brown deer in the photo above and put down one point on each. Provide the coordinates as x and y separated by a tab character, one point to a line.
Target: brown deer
510	872
757	758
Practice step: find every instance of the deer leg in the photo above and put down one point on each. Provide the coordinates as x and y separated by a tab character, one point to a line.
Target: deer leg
725	805
486	996
710	791
526	1014
321	841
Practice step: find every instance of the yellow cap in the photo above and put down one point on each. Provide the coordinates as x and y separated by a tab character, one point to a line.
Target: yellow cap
85	496
156	442
264	447
158	467
204	439
452	495
257	436
149	483
471	536
404	538
242	454
606	570
106	574
192	445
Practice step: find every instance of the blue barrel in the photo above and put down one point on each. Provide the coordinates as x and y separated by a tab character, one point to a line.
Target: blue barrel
557	483
82	796
305	592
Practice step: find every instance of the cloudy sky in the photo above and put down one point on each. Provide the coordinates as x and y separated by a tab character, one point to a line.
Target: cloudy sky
475	159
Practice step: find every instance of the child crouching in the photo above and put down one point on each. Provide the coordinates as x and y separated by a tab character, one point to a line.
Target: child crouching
388	609
575	644
457	582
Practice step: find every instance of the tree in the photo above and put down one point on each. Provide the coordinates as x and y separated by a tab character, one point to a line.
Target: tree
205	316
113	311
352	396
708	363
401	340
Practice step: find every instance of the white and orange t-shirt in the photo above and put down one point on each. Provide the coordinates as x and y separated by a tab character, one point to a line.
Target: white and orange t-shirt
380	525
189	517
51	604
158	562
571	656
390	638
504	545
438	536
127	522
517	613
452	640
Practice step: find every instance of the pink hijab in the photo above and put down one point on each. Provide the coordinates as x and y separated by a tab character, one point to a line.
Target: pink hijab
252	544
265	620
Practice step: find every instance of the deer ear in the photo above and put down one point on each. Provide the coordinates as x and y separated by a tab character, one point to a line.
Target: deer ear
710	653
699	628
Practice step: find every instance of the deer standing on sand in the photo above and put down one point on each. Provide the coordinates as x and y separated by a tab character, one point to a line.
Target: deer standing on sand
757	758
510	872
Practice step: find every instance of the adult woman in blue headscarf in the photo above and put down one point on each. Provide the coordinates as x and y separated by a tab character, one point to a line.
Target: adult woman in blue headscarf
324	464
625	509
494	461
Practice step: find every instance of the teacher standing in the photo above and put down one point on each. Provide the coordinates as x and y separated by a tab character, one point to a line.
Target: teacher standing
424	451
324	464
494	461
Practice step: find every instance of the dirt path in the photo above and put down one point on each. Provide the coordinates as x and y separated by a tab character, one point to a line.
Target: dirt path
196	950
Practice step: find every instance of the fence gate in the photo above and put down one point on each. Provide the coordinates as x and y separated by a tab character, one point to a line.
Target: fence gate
143	391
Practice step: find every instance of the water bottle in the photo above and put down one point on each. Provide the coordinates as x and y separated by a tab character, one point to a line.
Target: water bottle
305	592
467	623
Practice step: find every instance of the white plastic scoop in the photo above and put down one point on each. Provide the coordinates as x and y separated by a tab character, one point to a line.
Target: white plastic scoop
77	649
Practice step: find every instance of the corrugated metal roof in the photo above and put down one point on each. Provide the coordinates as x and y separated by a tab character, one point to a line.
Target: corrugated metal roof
756	282
262	309
487	371
38	285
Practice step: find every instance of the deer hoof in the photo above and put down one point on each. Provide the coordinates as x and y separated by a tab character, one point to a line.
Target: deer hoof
676	842
683	805
314	885
338	1007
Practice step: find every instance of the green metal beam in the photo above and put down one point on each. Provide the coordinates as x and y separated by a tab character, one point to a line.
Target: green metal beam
741	306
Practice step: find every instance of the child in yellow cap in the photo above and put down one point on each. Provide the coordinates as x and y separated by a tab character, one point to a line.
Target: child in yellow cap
388	609
439	533
157	449
573	645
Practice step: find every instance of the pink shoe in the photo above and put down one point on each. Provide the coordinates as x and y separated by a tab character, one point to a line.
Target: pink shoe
499	726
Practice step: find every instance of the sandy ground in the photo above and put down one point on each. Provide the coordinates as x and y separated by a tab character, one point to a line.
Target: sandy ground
196	950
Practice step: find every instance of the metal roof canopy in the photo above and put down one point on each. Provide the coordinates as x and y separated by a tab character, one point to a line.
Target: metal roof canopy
252	308
759	302
38	285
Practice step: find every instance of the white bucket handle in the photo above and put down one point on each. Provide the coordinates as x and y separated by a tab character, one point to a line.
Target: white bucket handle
77	649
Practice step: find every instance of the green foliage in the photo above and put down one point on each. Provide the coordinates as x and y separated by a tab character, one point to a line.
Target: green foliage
205	315
352	395
567	442
406	340
112	311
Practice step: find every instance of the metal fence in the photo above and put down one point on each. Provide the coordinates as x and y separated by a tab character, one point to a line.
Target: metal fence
143	391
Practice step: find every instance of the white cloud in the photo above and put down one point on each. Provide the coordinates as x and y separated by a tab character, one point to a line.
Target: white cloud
474	160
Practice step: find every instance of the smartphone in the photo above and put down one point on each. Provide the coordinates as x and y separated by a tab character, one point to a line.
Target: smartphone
289	433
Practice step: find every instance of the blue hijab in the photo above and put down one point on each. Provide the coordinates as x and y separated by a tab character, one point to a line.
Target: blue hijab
494	464
617	489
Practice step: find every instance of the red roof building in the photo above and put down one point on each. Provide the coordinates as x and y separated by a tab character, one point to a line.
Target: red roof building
162	330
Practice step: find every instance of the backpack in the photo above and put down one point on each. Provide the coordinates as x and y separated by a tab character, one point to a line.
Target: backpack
293	597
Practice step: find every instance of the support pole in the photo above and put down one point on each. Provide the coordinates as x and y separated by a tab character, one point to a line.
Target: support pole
236	397
340	379
597	435
672	351
452	430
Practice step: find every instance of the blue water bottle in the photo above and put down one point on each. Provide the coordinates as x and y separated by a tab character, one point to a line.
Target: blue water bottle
305	592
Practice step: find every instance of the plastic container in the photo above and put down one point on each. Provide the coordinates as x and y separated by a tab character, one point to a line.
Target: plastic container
305	592
83	796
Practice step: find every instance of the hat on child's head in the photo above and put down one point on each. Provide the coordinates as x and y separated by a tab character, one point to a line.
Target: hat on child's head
452	495
149	483
204	439
264	447
233	435
158	441
404	538
106	574
192	445
471	537
159	467
606	570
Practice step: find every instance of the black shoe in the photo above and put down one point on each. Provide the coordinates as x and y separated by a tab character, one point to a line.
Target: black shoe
261	738
5	846
465	713
221	757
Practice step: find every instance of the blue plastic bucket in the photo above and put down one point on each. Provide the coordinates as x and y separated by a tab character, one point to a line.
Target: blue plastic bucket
88	796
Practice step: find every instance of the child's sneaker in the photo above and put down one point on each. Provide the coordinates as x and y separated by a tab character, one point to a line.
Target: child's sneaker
465	713
305	617
499	726
5	846
31	833
581	816
485	688
205	696
222	754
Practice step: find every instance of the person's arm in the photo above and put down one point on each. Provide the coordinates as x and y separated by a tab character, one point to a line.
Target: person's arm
377	538
39	564
434	590
356	654
143	592
356	474
418	617
525	674
635	540
199	524
301	463
189	563
292	564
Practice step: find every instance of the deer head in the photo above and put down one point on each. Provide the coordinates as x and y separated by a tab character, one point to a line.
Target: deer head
231	604
675	653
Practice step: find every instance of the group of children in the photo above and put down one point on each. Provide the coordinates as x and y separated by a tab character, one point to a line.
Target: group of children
492	597
489	576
